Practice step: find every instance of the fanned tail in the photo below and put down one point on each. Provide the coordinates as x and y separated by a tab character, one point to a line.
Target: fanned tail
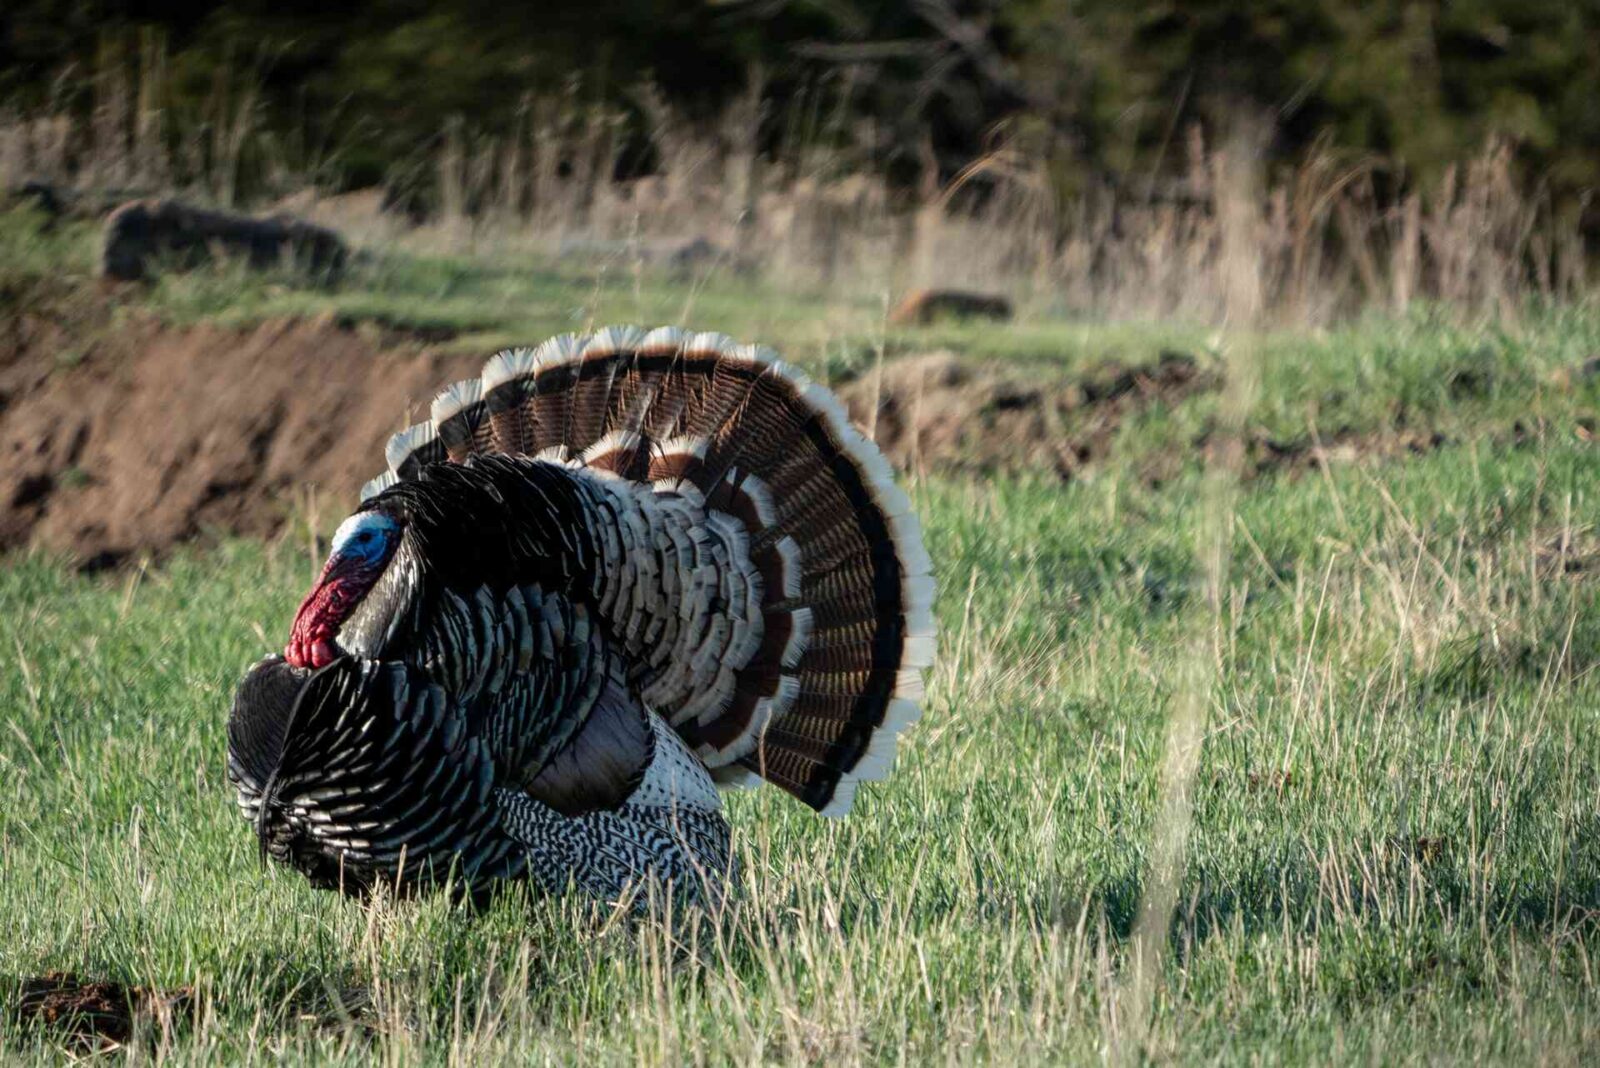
847	589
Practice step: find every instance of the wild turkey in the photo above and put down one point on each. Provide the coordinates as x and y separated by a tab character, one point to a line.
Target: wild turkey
609	576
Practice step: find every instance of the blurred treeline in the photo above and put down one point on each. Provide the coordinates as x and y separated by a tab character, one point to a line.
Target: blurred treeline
366	90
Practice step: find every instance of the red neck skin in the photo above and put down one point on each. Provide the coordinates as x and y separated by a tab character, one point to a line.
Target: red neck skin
337	592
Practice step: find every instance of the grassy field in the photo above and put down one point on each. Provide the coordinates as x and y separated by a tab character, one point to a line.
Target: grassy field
1395	846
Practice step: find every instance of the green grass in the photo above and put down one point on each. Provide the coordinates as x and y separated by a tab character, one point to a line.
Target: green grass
1395	854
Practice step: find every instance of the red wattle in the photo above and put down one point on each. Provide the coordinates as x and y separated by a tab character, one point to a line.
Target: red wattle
321	614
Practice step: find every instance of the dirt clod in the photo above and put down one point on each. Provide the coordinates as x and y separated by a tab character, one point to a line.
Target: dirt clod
924	306
1585	370
98	1015
1570	551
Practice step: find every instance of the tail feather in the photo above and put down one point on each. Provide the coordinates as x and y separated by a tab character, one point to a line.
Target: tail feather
847	585
461	421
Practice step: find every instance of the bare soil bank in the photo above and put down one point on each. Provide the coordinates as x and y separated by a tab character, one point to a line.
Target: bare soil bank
151	435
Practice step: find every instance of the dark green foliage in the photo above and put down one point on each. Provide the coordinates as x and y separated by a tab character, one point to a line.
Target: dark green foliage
367	87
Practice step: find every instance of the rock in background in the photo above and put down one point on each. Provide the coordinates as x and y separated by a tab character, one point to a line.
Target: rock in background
143	235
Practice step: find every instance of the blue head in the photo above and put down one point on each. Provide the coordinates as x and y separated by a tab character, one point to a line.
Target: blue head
365	540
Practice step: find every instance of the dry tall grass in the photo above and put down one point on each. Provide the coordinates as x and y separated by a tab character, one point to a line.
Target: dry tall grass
1203	661
814	207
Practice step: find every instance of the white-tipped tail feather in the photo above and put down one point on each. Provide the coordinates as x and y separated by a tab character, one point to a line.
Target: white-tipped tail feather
454	399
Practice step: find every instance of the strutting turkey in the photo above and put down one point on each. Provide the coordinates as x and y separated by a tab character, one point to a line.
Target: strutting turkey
606	578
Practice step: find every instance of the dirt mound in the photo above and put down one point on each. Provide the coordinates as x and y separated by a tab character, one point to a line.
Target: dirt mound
940	412
151	435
